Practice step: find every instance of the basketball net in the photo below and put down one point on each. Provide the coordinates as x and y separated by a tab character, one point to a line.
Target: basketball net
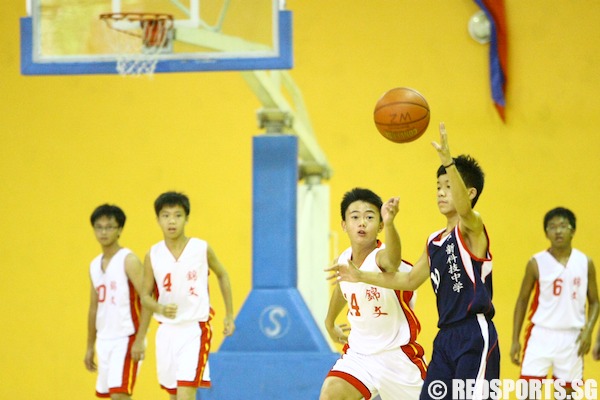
141	39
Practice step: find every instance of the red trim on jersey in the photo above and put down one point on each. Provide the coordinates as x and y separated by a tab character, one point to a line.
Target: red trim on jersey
205	340
345	348
170	391
414	325
535	302
404	297
155	291
129	376
102	395
415	352
490	351
201	384
364	391
407	295
532	309
135	306
474	257
470	266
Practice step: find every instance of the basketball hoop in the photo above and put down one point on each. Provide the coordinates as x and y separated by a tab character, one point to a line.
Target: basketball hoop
134	56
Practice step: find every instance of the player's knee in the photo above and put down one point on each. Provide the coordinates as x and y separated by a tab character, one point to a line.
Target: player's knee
186	393
120	396
338	389
328	395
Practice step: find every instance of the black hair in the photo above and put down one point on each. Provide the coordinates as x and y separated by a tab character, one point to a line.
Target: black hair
172	199
360	194
109	210
560	212
470	172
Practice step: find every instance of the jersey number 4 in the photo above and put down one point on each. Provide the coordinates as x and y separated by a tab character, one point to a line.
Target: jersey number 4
354	305
167	282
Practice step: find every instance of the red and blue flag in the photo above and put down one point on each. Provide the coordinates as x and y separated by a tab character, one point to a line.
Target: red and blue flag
494	10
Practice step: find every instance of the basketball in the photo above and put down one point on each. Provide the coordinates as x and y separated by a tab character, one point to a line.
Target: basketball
401	115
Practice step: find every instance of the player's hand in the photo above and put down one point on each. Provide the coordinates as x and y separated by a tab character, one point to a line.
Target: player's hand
389	210
228	326
90	365
138	350
515	353
442	148
339	333
585	342
343	272
169	310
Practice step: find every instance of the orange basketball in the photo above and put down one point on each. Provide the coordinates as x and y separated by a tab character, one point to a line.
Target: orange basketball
401	115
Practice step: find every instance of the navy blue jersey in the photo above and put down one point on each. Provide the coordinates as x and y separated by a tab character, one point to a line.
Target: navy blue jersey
462	282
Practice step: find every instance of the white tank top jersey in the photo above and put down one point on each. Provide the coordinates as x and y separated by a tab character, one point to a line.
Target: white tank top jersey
381	319
560	293
118	304
183	281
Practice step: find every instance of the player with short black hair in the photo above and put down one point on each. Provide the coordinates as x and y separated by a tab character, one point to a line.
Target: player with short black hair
178	267
116	325
563	281
381	354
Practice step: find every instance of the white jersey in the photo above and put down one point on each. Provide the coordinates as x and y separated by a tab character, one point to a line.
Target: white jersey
561	291
182	281
381	319
118	304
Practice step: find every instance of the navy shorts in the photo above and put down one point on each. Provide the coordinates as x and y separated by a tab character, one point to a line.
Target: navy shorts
465	350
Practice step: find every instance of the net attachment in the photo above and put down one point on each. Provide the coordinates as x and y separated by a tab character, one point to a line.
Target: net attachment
141	38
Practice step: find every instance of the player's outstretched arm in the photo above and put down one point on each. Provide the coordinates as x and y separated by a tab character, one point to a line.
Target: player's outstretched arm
391	280
390	257
470	222
531	276
225	285
585	337
88	360
460	193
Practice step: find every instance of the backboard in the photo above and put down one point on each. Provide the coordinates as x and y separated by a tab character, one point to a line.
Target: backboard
67	37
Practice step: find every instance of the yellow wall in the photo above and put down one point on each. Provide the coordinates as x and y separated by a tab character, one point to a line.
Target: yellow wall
70	143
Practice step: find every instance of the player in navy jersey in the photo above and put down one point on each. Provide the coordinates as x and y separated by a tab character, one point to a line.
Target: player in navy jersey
458	261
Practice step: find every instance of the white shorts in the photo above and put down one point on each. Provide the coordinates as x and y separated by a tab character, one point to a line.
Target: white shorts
391	374
116	370
552	349
182	355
